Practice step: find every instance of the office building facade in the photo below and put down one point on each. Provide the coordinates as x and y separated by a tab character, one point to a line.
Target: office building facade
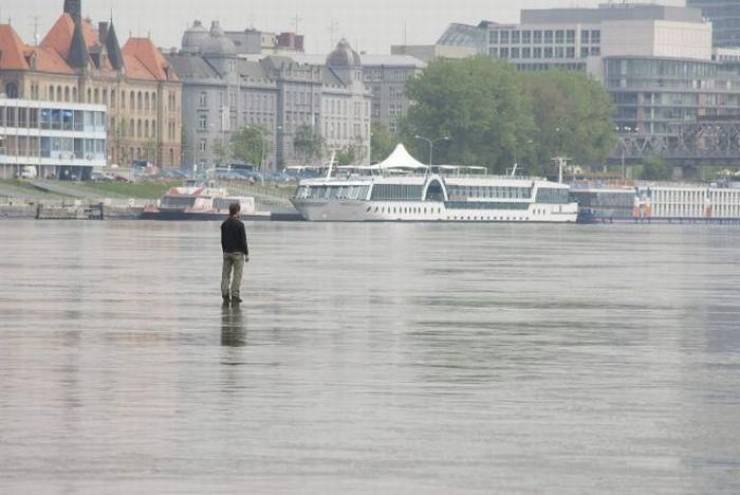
79	63
51	139
725	18
225	90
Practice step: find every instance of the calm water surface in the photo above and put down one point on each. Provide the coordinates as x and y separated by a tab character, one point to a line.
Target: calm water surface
370	359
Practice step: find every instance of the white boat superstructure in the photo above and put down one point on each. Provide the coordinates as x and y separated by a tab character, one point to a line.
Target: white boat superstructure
399	190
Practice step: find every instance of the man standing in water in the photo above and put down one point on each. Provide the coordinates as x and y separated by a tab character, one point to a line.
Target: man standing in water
236	252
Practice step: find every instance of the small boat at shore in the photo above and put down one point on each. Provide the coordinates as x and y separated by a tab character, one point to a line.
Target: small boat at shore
199	202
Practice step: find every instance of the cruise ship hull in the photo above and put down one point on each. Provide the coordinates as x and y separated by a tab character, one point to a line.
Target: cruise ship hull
429	211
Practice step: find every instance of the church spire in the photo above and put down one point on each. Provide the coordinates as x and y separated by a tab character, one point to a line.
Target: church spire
113	47
79	56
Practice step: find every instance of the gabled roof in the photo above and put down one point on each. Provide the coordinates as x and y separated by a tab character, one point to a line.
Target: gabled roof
48	60
11	50
188	66
60	36
144	61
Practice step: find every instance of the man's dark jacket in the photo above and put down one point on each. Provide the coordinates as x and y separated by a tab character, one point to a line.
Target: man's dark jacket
234	236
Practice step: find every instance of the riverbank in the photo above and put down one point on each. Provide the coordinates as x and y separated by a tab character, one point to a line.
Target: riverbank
126	200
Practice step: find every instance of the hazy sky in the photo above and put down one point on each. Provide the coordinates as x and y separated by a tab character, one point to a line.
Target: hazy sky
372	25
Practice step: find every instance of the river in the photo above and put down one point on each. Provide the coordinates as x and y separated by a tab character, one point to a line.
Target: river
370	358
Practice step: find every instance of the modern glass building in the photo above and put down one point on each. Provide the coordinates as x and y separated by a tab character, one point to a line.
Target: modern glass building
652	94
725	18
51	139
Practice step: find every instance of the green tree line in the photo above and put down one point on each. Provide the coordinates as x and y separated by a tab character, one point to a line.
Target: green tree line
495	116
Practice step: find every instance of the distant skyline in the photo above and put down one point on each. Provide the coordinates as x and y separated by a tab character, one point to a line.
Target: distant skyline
369	26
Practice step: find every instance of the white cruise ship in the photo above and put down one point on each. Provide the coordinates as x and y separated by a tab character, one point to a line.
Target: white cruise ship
401	189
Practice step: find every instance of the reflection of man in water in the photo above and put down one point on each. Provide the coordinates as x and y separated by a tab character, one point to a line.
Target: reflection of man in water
233	333
236	252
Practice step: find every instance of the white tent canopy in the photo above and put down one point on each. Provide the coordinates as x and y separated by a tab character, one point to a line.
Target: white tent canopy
399	159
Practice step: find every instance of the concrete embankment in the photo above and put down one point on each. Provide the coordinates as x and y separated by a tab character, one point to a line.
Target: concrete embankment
46	199
69	210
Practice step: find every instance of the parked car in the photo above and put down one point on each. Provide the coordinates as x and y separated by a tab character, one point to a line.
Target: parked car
28	173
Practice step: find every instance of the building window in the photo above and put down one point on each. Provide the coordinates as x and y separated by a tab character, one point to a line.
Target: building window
596	51
504	52
570	36
537	52
559	52
548	52
537	37
559	36
584	51
596	37
570	52
203	99
504	37
515	53
584	36
526	37
548	37
202	122
203	145
493	37
526	52
515	37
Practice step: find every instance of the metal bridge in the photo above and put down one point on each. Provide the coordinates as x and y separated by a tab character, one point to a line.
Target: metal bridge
687	144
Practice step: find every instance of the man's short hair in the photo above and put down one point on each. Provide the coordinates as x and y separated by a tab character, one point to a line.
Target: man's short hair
234	208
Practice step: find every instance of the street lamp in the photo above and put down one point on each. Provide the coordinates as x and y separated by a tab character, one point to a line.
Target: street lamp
431	145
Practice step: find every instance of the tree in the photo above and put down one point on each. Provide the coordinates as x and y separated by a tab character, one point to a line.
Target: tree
381	142
573	116
477	103
655	168
496	116
307	143
347	155
248	144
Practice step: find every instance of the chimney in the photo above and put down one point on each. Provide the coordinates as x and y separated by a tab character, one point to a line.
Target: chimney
74	9
102	32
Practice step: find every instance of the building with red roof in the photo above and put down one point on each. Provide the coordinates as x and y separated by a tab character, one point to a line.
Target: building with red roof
76	62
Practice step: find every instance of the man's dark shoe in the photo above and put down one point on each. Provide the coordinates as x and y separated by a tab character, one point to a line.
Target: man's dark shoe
226	299
236	300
